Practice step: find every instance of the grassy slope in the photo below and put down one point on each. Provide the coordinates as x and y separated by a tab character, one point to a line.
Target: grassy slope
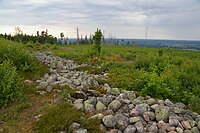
19	115
162	73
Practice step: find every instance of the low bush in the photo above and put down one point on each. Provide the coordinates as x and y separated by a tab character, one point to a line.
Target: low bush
17	54
9	83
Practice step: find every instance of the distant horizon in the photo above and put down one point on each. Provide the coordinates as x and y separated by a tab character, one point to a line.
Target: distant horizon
109	37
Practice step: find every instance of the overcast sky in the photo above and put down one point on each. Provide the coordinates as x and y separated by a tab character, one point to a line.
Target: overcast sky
165	19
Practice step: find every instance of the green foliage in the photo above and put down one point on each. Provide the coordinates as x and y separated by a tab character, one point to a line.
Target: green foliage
151	84
97	39
16	53
161	73
8	83
194	104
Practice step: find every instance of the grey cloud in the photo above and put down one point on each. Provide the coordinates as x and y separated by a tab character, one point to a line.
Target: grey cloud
112	14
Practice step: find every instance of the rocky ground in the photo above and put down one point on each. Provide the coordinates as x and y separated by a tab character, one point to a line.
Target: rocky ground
120	111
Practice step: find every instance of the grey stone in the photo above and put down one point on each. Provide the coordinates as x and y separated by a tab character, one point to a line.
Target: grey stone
180	105
139	109
179	130
75	125
97	116
150	114
89	107
28	82
130	95
151	101
139	126
77	82
195	130
113	91
173	122
100	107
130	129
78	104
114	105
153	128
172	132
168	103
109	121
91	100
43	84
49	89
106	87
133	120
187	131
122	121
50	80
198	124
162	113
177	110
192	123
81	131
106	100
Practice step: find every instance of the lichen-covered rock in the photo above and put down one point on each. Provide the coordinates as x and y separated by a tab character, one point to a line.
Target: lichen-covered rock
122	121
195	130
139	126
109	121
168	103
153	128
133	120
151	101
179	130
89	107
113	91
162	113
151	115
78	104
130	129
106	100
100	107
114	105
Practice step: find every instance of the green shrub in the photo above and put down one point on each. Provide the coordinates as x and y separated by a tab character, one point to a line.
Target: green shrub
194	104
17	54
153	85
8	83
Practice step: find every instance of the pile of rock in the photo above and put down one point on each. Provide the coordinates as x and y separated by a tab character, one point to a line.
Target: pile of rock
62	72
123	112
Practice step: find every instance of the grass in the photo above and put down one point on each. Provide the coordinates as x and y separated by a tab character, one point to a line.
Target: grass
60	117
161	73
